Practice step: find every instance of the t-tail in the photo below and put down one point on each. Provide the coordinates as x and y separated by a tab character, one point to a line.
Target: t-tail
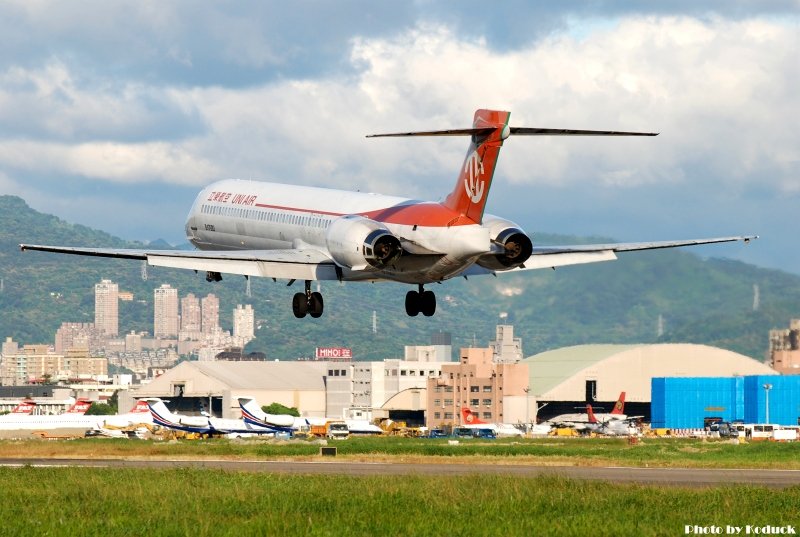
80	407
619	406
468	418
252	414
141	407
25	407
489	130
475	177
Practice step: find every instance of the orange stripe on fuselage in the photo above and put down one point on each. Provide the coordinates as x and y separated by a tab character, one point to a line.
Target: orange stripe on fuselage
428	214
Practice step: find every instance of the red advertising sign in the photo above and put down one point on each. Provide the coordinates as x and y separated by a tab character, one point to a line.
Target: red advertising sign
334	353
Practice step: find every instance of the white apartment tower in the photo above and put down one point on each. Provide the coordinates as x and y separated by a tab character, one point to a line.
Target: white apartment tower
165	317
190	314
244	323
106	308
210	312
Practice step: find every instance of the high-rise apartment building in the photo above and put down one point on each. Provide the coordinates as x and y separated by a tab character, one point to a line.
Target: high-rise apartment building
210	307
190	314
244	323
106	308
165	313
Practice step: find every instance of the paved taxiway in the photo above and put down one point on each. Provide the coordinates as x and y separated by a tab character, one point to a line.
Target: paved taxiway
687	477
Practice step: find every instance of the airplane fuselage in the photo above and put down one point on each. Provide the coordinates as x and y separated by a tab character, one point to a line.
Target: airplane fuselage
252	215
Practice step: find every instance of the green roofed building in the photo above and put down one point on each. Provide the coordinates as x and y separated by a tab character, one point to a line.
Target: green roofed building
564	380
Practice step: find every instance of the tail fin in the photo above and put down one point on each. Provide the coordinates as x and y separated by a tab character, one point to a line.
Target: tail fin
141	407
253	412
250	408
590	412
472	186
80	407
160	412
25	407
619	406
468	418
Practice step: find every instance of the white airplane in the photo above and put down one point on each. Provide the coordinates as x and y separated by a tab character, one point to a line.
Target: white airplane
254	415
201	424
22	418
304	233
139	415
583	421
613	427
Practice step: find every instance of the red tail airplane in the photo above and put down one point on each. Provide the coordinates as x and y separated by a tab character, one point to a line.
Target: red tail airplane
304	233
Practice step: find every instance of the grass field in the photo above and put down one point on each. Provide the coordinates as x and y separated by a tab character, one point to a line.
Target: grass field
72	501
109	502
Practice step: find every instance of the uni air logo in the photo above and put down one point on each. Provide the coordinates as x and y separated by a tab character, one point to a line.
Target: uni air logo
473	168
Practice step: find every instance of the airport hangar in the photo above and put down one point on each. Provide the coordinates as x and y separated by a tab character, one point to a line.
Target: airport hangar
215	386
563	381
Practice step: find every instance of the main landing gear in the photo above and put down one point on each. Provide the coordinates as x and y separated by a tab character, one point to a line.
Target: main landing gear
308	302
421	301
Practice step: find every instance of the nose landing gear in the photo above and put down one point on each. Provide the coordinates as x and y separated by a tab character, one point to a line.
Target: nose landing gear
307	303
421	301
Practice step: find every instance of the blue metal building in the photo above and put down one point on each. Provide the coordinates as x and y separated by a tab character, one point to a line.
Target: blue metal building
689	402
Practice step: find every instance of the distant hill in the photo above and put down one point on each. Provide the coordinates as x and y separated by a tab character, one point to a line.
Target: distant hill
698	300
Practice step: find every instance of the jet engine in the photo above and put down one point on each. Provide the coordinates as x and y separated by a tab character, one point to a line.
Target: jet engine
515	243
356	242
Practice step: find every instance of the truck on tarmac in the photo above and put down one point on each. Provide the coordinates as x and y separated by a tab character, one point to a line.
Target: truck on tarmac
331	429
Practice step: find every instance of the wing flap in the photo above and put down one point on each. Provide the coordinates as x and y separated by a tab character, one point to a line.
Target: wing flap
302	264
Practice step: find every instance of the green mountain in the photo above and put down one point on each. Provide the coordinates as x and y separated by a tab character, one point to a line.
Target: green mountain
632	300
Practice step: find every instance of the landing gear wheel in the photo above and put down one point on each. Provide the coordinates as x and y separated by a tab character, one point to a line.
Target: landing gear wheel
315	304
427	303
299	305
412	303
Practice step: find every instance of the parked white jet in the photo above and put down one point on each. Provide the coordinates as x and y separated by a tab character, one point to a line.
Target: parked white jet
252	414
200	424
303	233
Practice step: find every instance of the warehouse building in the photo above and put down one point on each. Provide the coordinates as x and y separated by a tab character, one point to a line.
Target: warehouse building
215	386
564	380
690	403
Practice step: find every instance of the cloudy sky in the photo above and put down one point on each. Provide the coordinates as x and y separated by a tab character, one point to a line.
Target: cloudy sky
114	114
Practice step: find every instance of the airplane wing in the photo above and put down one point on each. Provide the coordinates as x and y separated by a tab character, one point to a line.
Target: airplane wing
558	256
299	264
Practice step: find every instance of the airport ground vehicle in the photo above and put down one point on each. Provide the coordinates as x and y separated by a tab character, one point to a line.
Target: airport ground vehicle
331	429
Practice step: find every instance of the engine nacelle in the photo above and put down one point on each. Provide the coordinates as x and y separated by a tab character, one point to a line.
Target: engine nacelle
356	242
516	244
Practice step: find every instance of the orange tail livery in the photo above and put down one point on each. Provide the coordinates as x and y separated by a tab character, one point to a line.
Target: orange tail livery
619	406
468	418
490	128
590	412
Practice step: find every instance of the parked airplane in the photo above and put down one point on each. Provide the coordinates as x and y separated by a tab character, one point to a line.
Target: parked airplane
252	414
581	420
73	418
471	420
201	424
304	233
139	415
614	427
